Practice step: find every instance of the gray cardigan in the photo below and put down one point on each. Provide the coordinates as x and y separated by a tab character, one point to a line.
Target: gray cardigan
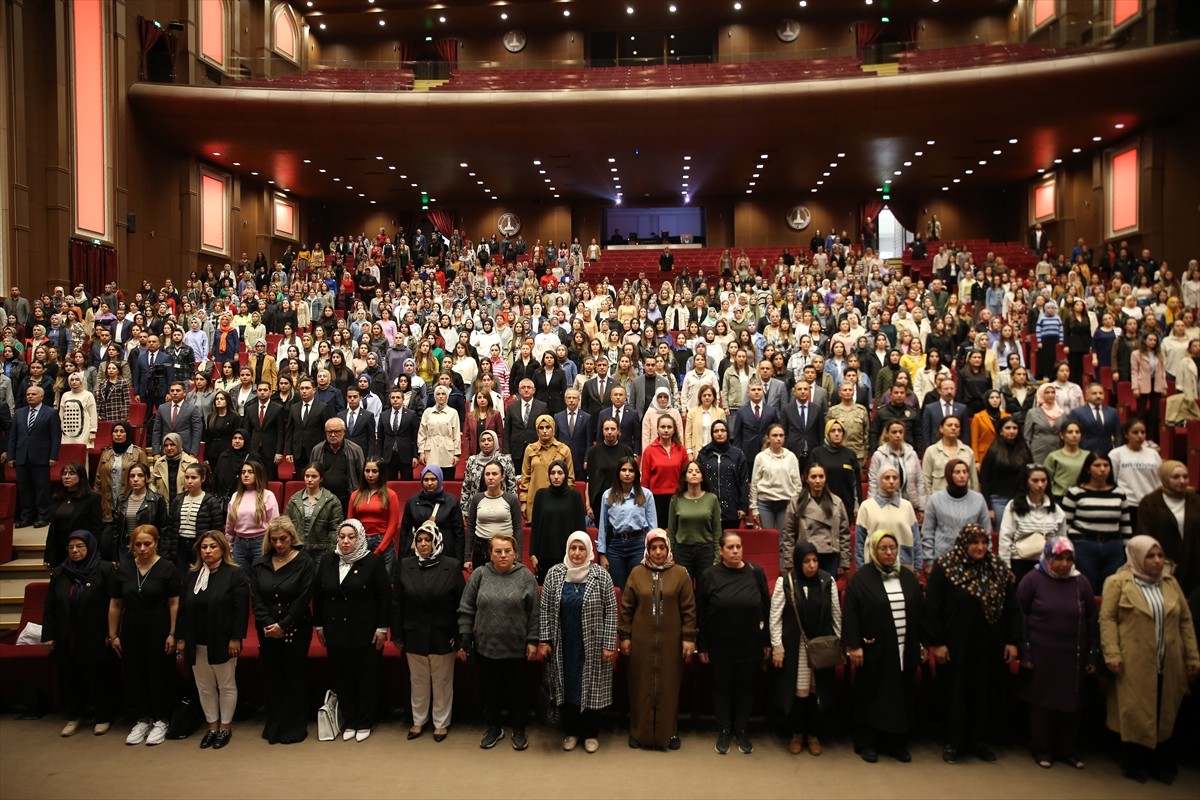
501	611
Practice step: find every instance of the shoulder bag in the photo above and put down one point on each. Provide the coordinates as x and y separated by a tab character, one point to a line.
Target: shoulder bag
824	652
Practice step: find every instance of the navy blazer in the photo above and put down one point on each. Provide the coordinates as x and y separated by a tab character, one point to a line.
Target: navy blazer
363	434
403	439
38	445
579	443
931	419
746	431
631	426
142	375
1099	438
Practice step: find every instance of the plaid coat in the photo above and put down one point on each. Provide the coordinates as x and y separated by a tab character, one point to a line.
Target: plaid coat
112	400
599	633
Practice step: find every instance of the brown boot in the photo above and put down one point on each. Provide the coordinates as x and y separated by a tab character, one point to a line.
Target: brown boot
796	745
814	746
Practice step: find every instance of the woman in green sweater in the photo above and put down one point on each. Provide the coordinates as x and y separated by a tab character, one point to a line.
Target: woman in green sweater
694	521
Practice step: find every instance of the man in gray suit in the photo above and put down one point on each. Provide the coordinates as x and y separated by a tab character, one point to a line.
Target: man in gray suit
178	416
645	386
17	307
774	390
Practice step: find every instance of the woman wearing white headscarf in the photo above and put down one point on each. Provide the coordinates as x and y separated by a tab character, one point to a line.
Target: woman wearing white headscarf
351	606
579	638
439	437
77	412
428	587
659	407
1149	646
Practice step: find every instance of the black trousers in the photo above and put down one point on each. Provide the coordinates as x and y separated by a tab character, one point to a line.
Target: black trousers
504	684
84	684
1054	733
285	668
733	689
581	723
805	716
356	677
33	492
695	558
399	468
150	679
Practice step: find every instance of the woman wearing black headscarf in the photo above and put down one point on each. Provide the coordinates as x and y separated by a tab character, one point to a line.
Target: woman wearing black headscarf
553	522
74	627
804	605
728	474
227	473
973	625
112	474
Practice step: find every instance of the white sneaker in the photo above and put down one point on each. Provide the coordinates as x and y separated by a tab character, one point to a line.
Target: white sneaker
139	733
570	743
70	728
158	733
362	735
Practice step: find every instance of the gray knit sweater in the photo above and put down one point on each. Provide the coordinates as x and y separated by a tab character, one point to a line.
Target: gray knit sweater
501	610
945	517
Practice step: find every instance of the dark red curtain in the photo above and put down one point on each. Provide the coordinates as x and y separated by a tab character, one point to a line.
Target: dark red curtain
905	214
448	50
443	221
908	30
870	211
866	33
403	52
150	33
93	265
172	49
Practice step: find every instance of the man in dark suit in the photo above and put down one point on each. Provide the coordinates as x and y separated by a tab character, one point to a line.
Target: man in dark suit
398	438
520	419
750	422
1038	239
265	419
597	392
572	426
1100	424
33	449
933	414
360	423
805	423
152	374
178	416
645	386
306	426
629	421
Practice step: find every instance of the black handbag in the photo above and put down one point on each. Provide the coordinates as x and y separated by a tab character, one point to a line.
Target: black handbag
185	719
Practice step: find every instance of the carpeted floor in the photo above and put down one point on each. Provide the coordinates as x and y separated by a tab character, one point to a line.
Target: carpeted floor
36	762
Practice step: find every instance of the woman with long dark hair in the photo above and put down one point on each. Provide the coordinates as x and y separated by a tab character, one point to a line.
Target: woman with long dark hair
817	515
1001	468
1098	520
75	508
378	508
1030	518
627	511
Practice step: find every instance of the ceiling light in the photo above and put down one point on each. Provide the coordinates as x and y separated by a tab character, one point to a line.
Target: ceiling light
833	164
897	172
471	174
908	163
309	3
1076	149
957	180
392	167
1058	161
764	156
271	182
372	202
803	3
349	187
612	169
1119	126
478	182
618	186
683	184
995	152
321	26
635	52
628	9
382	23
919	153
379	158
462	164
403	177
556	195
1095	138
825	174
687	158
820	183
543	172
441	19
749	191
982	163
553	190
737	6
930	143
415	186
633	38
335	180
755	175
870	2
686	167
1012	141
758	166
613	160
546	180
537	163
308	161
566	13
360	194
945	188
488	190
1041	170
321	170
503	15
216	154
752	183
968	172
671	9
237	163
814	191
616	178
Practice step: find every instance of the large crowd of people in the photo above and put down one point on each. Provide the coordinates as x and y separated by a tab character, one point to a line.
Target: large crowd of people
943	464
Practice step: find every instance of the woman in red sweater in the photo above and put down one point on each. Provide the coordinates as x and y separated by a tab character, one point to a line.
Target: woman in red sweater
378	508
662	464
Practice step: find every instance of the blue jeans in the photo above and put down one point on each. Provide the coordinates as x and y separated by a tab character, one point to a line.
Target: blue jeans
998	503
623	557
1097	560
389	555
246	550
771	519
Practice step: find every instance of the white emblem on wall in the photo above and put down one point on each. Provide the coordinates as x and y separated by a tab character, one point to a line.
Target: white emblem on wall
798	218
514	41
509	224
788	30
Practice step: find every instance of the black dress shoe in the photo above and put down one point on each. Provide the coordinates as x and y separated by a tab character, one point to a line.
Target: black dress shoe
223	738
440	737
207	741
633	743
869	755
674	743
415	734
41	523
902	755
950	754
986	754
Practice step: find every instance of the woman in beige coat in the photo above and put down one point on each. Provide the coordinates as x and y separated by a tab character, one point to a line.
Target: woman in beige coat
1149	646
439	437
700	419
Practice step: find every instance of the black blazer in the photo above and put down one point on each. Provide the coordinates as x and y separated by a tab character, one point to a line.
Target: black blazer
352	610
90	618
282	596
227	617
363	434
802	440
551	390
518	435
267	440
303	436
83	513
210	517
931	420
747	431
403	440
631	426
1097	438
425	605
590	399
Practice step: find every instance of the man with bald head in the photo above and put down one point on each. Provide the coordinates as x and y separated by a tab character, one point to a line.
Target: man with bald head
33	450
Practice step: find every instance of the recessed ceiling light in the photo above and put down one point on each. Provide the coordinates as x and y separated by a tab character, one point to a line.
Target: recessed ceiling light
841	155
537	163
687	158
309	3
382	23
908	163
616	178
379	158
820	183
982	163
441	19
755	175
1058	161
995	152
566	13
556	195
612	169
1096	138
1041	170
471	174
633	38
478	182
271	182
825	174
752	183
618	186
870	2
349	187
462	164
321	171
1012	141
814	191
216	154
403	177
957	180
671	9
683	184
546	180
392	167
833	164
613	160
945	188
635	52
488	191
415	186
804	3
1076	149
321	26
308	161
764	156
919	153
553	189
737	6
968	172
372	202
1119	125
749	191
628	9
360	194
889	180
543	172
237	163
930	143
686	167
503	15
336	180
897	172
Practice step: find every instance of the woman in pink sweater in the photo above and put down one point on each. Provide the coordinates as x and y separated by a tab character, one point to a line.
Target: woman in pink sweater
251	509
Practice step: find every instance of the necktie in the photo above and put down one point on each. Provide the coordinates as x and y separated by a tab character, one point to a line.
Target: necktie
152	355
618	418
525	413
395	421
571	423
804	417
949	410
33	412
262	414
602	383
1099	416
304	415
757	411
353	414
174	414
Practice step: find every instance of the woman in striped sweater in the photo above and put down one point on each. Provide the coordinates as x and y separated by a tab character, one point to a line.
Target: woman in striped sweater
1098	521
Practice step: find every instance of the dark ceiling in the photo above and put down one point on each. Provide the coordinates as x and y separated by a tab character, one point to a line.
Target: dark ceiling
391	146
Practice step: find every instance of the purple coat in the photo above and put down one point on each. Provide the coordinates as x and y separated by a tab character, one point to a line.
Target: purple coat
1059	637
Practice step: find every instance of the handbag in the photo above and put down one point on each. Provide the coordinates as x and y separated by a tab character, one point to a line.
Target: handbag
329	718
1030	547
824	652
